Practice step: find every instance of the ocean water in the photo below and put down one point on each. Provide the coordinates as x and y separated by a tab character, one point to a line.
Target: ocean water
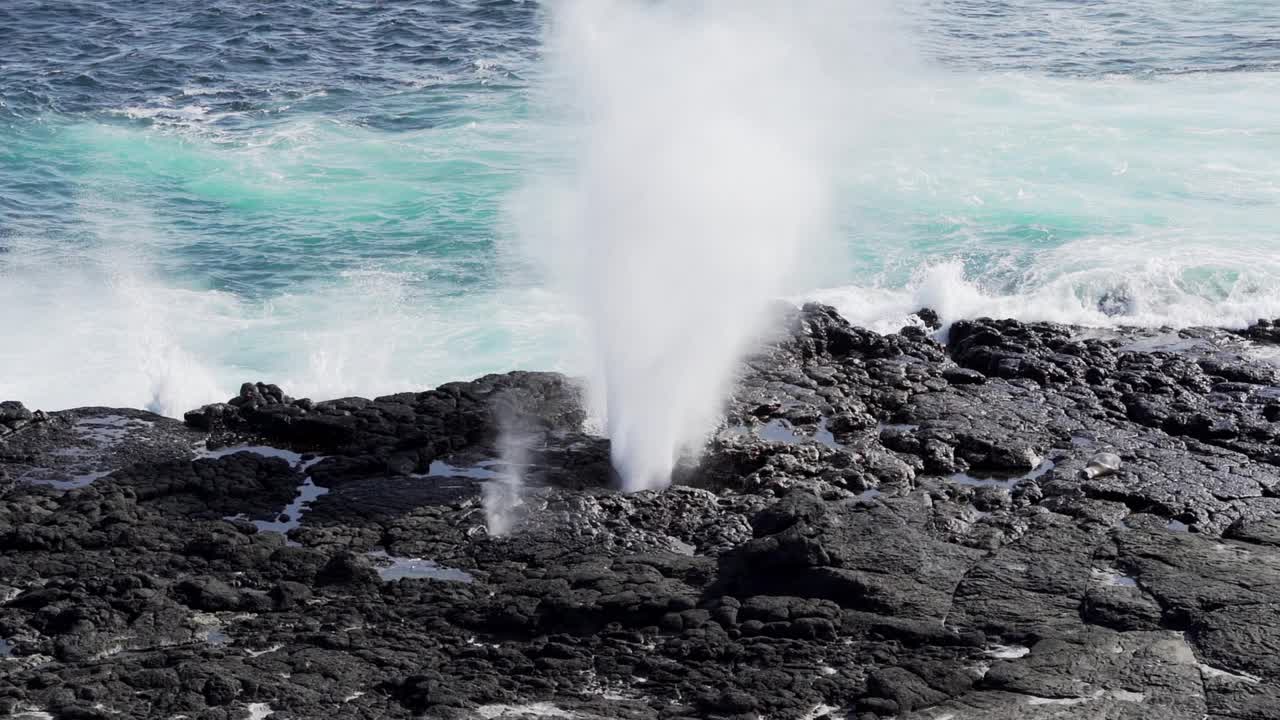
195	194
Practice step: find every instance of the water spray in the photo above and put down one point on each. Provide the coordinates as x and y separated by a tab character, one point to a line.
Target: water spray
701	139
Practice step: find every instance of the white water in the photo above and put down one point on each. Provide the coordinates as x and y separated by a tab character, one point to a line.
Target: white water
1021	195
1207	286
108	329
980	192
701	138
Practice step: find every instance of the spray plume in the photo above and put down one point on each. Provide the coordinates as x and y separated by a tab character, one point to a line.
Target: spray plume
700	137
503	497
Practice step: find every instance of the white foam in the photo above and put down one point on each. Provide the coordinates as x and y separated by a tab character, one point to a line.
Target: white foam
110	312
100	316
197	91
188	112
1186	231
260	711
1159	291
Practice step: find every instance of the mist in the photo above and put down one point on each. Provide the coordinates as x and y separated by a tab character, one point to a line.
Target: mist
700	179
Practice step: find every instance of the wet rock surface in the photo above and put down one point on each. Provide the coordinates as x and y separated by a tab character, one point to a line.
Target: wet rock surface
1034	521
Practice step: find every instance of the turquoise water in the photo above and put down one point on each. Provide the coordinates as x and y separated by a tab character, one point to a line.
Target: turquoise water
197	194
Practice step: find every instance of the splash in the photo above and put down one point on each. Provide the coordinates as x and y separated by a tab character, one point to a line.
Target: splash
701	133
98	328
1088	283
502	498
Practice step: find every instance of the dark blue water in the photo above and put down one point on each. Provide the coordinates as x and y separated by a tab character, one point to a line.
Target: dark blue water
197	193
1078	37
76	56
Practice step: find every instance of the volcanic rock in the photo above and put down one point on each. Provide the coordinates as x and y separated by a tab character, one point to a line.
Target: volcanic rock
1033	521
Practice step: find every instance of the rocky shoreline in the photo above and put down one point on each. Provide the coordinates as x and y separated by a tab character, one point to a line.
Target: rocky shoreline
882	527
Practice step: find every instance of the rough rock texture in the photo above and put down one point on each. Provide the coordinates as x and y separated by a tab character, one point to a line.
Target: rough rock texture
882	527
